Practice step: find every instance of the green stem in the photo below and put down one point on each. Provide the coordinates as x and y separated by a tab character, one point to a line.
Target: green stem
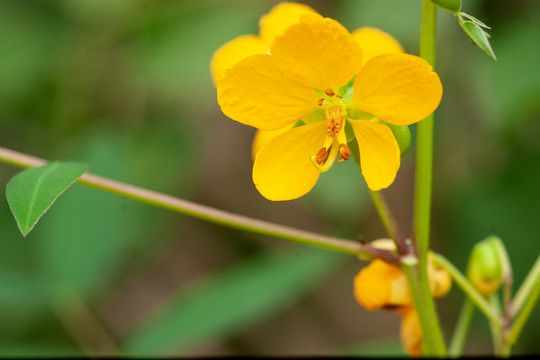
499	345
389	222
200	211
525	300
411	274
462	329
468	289
422	196
530	282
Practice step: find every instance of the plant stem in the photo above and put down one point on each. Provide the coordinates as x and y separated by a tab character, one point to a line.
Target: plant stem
525	301
468	289
389	222
424	141
462	329
422	195
200	211
411	273
499	345
532	280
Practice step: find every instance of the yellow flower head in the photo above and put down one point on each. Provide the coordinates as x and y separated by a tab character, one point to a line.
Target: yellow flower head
381	285
411	331
308	74
272	25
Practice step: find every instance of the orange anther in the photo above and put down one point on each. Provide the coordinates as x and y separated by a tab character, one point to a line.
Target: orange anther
344	152
321	156
321	102
339	96
329	92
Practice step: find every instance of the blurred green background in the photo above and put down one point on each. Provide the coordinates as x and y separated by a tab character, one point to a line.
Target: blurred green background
125	87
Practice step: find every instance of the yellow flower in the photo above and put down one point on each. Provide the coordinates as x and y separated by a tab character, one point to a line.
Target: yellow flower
411	331
305	76
271	25
381	285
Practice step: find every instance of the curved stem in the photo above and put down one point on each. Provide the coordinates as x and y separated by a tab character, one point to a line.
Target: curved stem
199	211
462	329
389	222
532	280
468	289
525	301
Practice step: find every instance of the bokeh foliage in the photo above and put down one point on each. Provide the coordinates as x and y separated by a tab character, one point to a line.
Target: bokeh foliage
125	87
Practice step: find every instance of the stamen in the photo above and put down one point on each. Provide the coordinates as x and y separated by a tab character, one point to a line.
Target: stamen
321	102
329	92
339	96
329	162
344	152
321	156
334	120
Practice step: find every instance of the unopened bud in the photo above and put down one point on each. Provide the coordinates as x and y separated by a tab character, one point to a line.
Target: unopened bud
485	270
402	135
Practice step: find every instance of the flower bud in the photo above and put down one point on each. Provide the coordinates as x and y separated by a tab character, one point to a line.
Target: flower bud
485	269
402	135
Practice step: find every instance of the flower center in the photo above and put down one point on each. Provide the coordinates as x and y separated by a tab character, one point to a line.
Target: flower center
336	141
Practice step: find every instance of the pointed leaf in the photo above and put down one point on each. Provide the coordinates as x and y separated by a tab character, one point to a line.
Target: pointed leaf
474	20
450	5
478	37
32	192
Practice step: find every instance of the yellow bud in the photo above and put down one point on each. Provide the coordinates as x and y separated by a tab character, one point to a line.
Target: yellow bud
485	270
440	280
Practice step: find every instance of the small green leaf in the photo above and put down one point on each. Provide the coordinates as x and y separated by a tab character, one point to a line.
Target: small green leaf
32	192
478	36
450	5
474	20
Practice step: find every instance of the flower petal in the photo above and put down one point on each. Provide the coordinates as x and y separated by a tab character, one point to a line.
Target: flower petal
375	42
264	136
440	281
317	52
256	93
379	153
411	331
283	168
398	88
280	18
234	51
372	285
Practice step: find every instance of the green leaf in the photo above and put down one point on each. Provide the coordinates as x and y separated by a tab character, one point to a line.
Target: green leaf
474	20
478	36
450	5
230	301
32	192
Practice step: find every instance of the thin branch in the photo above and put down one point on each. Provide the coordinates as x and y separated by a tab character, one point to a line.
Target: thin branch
197	210
389	222
468	289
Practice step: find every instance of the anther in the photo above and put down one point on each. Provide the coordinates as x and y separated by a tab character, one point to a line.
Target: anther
329	92
344	152
339	96
321	156
321	102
